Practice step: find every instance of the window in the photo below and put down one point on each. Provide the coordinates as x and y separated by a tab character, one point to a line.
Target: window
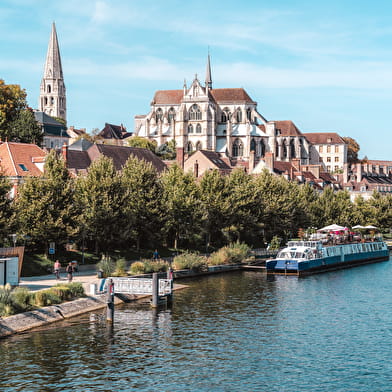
252	145
336	148
238	148
328	159
239	115
329	169
189	147
171	116
194	113
23	167
198	145
46	100
320	159
226	115
262	149
198	128
190	128
292	149
48	89
248	114
51	100
328	148
336	159
336	168
320	148
158	115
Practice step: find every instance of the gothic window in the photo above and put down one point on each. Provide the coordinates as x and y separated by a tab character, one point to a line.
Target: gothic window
292	149
248	114
253	145
284	150
158	115
262	148
277	150
198	128
198	145
194	113
48	88
224	117
190	128
239	115
46	100
171	115
238	148
189	147
51	100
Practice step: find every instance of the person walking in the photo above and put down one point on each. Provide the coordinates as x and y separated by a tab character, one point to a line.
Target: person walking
155	255
69	271
56	269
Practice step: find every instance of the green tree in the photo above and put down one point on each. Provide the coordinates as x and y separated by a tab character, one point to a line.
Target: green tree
44	206
25	129
141	142
141	202
181	205
5	207
98	203
382	205
167	150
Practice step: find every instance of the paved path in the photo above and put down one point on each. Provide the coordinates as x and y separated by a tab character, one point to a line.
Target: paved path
34	283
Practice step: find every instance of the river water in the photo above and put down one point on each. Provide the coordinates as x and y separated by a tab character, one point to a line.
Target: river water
239	331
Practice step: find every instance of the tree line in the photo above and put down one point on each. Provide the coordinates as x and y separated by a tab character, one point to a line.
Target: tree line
139	208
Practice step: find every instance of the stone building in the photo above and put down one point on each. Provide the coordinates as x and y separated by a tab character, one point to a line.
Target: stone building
225	120
52	99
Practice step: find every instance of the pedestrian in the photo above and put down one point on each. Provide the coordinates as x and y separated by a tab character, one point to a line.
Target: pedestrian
56	269
69	271
155	256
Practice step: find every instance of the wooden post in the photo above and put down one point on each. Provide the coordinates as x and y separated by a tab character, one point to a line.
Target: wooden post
155	290
110	301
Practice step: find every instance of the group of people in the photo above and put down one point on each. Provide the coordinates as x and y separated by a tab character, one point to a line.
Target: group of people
69	269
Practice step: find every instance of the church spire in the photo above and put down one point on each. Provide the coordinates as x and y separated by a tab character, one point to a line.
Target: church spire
208	73
52	93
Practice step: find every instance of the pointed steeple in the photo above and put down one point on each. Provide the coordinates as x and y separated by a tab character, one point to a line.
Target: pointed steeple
52	98
208	73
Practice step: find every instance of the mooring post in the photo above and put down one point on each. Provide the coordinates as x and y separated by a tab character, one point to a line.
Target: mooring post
110	301
170	277
155	290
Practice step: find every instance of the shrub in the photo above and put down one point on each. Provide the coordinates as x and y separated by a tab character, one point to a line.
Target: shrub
275	243
192	261
46	298
137	268
21	299
231	254
76	289
120	267
62	291
106	265
148	267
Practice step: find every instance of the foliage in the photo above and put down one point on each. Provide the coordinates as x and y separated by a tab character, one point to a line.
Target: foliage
120	267
106	265
148	267
167	151
5	207
352	149
25	129
21	299
142	142
232	254
275	243
189	260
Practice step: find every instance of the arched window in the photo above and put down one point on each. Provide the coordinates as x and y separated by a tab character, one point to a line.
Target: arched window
158	115
199	145
171	116
226	115
189	147
292	149
194	113
284	149
239	115
238	148
190	128
262	148
48	89
253	145
277	150
248	114
46	100
198	128
51	100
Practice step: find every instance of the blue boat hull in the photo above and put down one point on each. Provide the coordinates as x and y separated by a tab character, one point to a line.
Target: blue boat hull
325	263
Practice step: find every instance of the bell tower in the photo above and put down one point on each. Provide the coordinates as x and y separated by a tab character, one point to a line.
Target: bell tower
52	99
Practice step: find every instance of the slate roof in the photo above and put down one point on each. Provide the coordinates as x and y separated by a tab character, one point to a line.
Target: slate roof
50	126
216	159
324	138
80	160
111	131
220	95
17	159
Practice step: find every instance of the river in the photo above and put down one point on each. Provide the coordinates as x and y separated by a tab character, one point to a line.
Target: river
239	331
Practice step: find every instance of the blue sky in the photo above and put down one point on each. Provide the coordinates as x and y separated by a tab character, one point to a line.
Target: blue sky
327	66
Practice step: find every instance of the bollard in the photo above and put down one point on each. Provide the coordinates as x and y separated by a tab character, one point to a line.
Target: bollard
110	301
155	290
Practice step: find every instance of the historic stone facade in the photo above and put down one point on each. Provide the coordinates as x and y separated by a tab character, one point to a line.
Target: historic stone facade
52	99
223	120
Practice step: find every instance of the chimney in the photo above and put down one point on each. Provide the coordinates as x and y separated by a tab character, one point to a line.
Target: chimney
269	160
251	161
180	157
64	150
196	169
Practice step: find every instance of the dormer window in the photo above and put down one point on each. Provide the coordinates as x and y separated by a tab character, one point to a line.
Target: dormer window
23	167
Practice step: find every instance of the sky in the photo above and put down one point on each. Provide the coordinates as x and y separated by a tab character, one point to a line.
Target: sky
325	65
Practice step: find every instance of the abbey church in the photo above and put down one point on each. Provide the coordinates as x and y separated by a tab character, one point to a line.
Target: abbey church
224	120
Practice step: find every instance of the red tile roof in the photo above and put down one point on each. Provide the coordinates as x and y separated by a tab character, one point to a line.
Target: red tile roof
324	138
220	95
287	128
17	159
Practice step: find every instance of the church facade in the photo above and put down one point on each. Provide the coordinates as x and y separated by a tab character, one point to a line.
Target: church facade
225	120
